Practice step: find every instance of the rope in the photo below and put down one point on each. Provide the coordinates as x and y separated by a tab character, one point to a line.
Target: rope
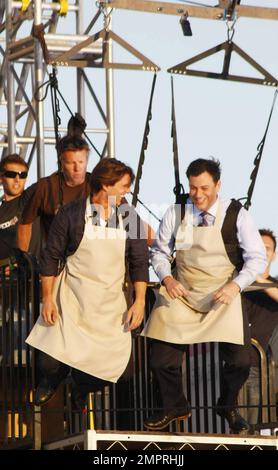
147	209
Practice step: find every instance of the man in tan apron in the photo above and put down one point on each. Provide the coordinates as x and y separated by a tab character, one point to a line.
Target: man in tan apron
84	323
202	302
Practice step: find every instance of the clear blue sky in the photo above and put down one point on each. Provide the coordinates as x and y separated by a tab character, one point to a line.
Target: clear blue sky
216	118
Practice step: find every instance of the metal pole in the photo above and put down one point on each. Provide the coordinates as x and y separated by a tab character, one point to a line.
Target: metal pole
79	77
110	91
10	83
39	104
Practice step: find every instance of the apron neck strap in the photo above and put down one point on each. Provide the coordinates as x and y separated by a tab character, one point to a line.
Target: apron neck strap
89	213
218	217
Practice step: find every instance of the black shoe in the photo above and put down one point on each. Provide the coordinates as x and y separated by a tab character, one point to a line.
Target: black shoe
236	422
44	392
79	401
161	420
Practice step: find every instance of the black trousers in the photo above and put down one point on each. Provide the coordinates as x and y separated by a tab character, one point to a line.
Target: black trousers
55	372
166	361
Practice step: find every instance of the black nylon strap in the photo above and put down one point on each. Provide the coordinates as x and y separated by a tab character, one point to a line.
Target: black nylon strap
229	234
258	158
178	189
144	147
228	231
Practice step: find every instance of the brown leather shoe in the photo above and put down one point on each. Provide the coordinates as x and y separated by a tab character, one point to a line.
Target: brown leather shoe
162	420
44	392
236	422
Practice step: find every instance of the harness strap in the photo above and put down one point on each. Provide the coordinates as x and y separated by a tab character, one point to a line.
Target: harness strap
228	230
144	146
178	189
258	158
229	234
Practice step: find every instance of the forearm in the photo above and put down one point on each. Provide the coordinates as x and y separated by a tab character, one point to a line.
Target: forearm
163	245
150	233
140	291
273	293
24	233
49	310
161	263
47	287
247	275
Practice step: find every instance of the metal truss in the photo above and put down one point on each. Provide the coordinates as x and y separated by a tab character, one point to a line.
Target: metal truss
223	10
167	441
24	70
30	44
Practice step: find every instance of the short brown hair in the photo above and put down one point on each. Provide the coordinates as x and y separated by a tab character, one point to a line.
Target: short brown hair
266	232
108	172
199	166
71	143
12	158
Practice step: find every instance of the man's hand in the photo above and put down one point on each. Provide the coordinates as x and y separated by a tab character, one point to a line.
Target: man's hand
49	312
227	293
174	288
135	315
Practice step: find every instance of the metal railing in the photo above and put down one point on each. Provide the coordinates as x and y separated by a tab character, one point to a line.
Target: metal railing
121	406
19	295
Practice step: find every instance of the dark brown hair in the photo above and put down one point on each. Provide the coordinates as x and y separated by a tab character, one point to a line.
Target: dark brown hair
268	233
108	172
12	158
71	143
199	166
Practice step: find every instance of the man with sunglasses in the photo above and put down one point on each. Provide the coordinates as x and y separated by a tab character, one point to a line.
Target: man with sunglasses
13	175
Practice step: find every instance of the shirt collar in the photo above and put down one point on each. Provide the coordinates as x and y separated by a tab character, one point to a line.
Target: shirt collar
212	210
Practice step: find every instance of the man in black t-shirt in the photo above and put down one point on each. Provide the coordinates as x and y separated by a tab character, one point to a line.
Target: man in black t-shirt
13	175
262	308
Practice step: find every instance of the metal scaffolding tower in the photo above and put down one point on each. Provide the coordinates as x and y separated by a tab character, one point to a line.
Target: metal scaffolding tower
24	69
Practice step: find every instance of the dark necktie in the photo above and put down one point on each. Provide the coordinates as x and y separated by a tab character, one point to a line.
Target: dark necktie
204	220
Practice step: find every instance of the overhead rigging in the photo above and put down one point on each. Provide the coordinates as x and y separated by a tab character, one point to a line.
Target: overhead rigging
230	15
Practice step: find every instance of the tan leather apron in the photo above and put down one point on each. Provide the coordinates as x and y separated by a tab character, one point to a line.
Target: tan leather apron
89	334
202	267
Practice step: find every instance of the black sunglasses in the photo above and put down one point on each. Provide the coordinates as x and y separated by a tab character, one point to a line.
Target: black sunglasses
13	174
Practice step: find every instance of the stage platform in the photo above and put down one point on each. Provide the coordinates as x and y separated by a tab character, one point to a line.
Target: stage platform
145	441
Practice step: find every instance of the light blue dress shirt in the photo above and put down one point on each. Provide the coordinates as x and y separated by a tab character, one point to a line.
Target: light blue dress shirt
253	249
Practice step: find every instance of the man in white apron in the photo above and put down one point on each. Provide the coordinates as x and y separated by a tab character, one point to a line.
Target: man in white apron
202	302
85	323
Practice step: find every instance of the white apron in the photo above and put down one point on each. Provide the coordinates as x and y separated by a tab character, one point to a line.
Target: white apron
89	333
203	267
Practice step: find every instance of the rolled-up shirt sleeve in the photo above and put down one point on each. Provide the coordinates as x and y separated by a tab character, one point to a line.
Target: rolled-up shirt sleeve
138	254
253	250
163	246
55	251
32	210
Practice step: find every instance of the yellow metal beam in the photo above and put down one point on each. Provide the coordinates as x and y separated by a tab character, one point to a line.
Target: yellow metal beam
25	5
64	7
